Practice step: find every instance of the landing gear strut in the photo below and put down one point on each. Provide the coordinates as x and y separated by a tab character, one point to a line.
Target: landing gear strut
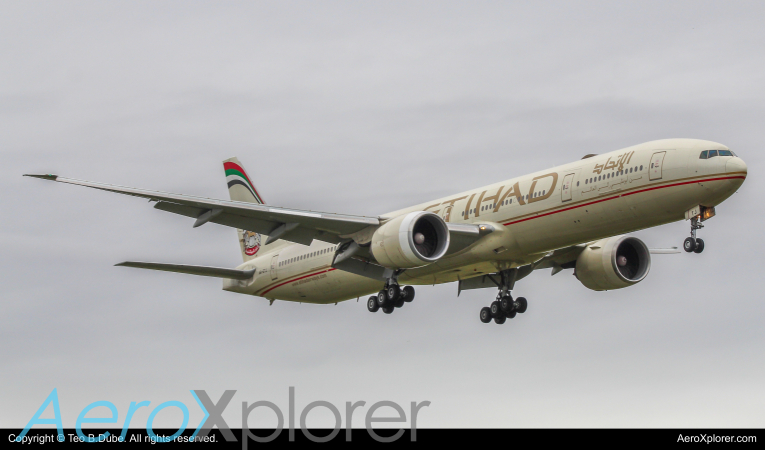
694	244
390	297
504	307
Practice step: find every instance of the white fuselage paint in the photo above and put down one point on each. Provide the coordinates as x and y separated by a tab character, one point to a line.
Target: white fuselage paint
568	209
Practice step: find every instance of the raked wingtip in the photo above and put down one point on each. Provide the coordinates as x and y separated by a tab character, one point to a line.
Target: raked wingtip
49	176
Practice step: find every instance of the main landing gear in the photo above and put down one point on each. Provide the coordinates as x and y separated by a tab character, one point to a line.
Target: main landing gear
504	307
694	244
391	297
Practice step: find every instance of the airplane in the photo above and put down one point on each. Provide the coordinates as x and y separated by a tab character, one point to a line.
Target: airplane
573	216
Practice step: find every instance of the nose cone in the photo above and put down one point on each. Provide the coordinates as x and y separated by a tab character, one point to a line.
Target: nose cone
736	165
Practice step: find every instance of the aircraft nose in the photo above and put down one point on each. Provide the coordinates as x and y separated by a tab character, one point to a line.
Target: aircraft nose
735	165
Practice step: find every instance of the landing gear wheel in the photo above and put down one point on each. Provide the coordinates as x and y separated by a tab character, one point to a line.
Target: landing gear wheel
382	299
522	305
496	310
400	302
485	315
408	293
388	309
699	246
506	303
500	320
372	305
394	292
689	244
511	315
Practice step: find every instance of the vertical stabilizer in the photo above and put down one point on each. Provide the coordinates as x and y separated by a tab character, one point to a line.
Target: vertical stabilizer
242	189
240	186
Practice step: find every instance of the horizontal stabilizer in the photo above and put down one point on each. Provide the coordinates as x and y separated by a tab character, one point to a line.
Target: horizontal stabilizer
204	271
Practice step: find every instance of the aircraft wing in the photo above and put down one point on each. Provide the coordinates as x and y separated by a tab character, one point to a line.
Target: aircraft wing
293	225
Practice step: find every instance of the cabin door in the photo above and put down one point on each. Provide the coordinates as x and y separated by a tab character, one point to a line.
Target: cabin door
567	187
274	263
654	170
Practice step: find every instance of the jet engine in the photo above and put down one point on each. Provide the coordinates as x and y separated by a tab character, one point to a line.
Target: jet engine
410	240
613	263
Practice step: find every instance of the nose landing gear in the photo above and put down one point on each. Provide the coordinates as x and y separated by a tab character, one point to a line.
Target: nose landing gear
694	244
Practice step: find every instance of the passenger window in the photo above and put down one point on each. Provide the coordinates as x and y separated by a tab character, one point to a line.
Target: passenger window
641	167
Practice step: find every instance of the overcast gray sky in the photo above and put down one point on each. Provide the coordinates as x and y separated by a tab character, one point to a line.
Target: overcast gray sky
364	108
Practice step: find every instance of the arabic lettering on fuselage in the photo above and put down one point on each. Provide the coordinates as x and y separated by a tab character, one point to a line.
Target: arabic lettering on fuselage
617	163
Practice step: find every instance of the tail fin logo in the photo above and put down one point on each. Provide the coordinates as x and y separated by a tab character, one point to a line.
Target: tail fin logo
235	174
251	243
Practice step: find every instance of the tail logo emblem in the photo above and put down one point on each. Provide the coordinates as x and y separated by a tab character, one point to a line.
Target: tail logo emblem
251	243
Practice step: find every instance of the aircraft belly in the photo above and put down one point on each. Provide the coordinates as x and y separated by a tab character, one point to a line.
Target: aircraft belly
319	285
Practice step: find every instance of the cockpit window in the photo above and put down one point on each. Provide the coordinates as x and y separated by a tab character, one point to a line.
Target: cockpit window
706	154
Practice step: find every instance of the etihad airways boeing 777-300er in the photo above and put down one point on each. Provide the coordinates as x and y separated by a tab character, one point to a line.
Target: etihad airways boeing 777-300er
572	216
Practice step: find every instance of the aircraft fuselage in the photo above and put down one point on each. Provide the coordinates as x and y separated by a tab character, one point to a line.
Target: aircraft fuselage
600	196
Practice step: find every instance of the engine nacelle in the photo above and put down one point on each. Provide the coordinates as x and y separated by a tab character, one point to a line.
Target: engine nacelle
410	240
613	263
